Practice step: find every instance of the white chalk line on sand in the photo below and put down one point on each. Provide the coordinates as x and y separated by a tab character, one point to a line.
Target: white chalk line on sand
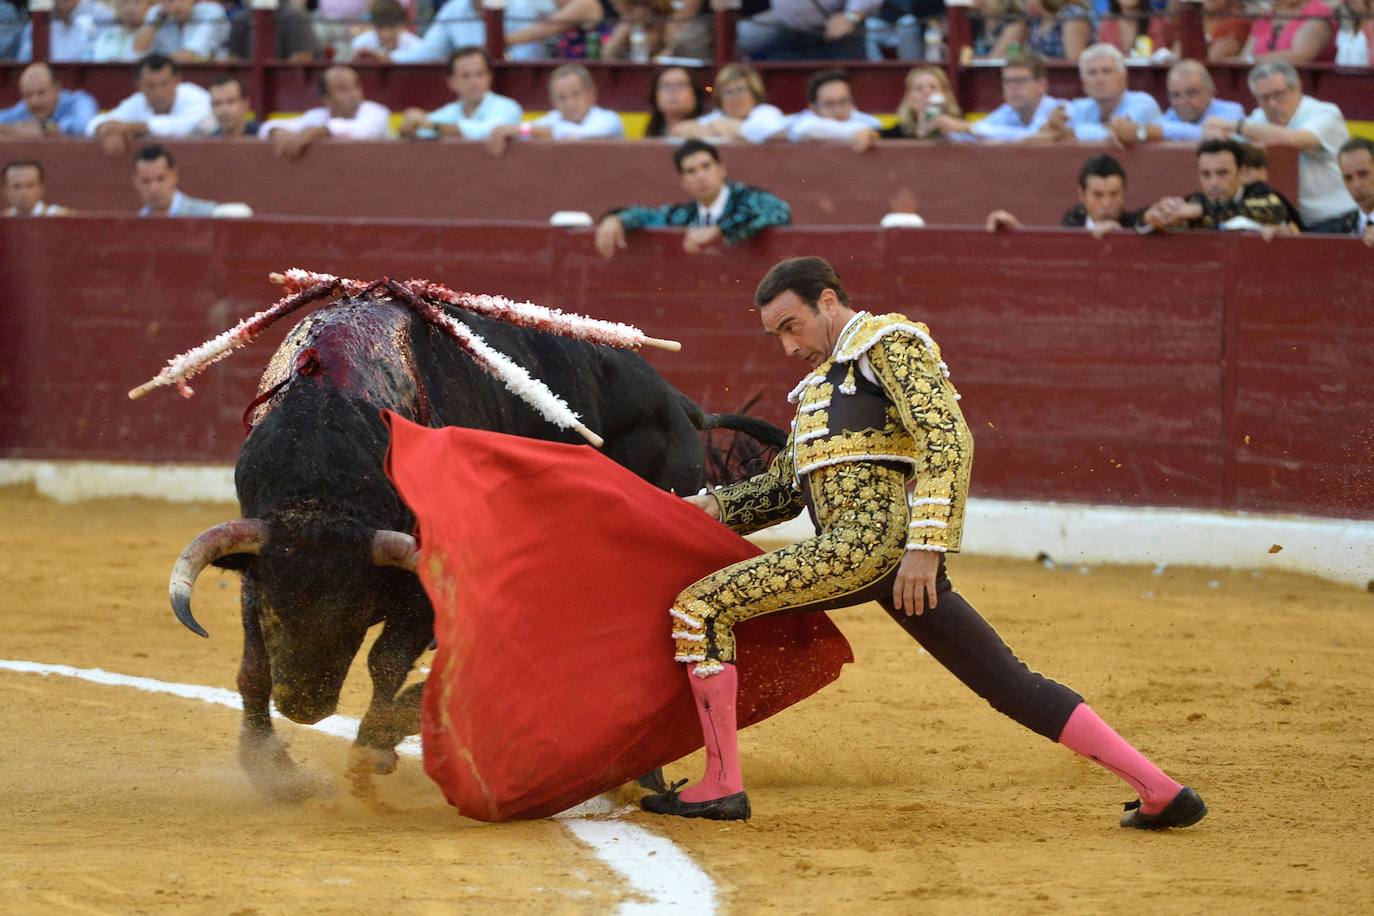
652	865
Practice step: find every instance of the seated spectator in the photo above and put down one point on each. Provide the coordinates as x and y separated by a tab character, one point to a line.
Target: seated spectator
1192	100
115	42
575	114
832	115
806	30
1054	29
296	36
896	29
1026	102
1101	206
25	188
1254	164
155	180
1286	117
1298	31
388	34
928	111
477	109
232	117
1356	159
184	30
1226	29
1089	119
345	114
72	29
163	106
1222	198
459	24
1355	34
1131	28
674	99
638	29
14	28
45	108
719	211
742	111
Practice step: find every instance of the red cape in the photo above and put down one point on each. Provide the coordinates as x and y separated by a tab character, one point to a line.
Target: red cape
551	569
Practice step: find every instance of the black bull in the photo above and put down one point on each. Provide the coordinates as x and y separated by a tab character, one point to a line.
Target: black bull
316	501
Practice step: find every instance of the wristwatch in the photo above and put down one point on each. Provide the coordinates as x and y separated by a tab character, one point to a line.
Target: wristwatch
1142	133
854	16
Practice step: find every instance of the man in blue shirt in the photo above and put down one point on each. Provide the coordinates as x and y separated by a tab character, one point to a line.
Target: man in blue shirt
1026	104
45	108
1192	100
1089	119
477	109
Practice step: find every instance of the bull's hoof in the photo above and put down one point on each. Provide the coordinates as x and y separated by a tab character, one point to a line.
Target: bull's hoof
379	760
272	772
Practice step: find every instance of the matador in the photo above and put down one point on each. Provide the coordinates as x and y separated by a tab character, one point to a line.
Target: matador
876	413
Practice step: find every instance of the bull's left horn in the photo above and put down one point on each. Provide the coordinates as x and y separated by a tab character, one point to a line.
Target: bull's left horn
393	548
244	535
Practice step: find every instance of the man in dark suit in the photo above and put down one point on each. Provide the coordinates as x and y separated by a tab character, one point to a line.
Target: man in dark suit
1356	160
721	211
155	179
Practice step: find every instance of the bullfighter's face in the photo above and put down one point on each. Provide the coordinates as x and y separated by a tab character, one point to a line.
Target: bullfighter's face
805	331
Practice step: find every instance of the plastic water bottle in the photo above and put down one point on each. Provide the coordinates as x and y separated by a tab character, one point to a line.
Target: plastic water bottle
594	45
934	41
935	106
639	44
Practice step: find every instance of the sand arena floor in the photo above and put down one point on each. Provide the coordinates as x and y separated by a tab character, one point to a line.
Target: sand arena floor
892	791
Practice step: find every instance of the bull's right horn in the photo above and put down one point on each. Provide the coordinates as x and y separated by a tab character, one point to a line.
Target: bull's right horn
244	535
393	548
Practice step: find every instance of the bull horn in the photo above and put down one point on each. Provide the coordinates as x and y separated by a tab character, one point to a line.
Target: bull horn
392	548
244	535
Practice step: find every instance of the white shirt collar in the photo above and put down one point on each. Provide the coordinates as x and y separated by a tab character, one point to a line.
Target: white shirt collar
845	330
717	207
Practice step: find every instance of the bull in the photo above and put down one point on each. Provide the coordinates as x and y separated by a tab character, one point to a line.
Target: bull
323	546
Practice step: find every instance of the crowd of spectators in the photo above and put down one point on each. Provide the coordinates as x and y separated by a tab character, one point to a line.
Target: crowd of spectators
166	106
1300	31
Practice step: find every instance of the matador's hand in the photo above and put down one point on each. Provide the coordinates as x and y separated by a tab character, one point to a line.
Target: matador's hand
706	503
916	581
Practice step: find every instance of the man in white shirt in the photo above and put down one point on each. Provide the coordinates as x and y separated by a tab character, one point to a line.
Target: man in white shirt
1106	102
476	112
164	106
1286	117
1026	102
832	115
576	115
24	189
184	30
344	114
155	180
1357	171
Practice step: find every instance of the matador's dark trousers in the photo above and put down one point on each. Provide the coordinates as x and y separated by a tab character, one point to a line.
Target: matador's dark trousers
861	515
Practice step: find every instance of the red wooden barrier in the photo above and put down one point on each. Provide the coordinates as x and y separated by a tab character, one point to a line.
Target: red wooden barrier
825	184
1207	370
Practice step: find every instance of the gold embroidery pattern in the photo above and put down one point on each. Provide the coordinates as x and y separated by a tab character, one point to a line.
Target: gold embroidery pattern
926	403
764	499
862	511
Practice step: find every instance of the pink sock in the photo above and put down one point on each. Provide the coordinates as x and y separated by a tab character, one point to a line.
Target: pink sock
715	696
1086	734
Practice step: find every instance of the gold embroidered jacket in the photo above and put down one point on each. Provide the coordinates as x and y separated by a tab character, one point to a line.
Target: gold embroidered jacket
917	423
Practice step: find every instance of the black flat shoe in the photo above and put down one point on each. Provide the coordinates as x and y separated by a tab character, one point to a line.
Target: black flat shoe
730	808
1186	809
653	781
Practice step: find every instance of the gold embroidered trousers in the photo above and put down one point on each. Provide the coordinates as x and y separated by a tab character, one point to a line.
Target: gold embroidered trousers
861	510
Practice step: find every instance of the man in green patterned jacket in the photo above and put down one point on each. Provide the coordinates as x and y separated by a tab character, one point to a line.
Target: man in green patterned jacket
719	211
876	412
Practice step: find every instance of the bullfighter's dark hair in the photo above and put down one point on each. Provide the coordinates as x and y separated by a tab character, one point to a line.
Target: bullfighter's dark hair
691	148
820	78
1222	145
1100	166
23	164
152	153
806	277
468	51
1253	157
155	62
